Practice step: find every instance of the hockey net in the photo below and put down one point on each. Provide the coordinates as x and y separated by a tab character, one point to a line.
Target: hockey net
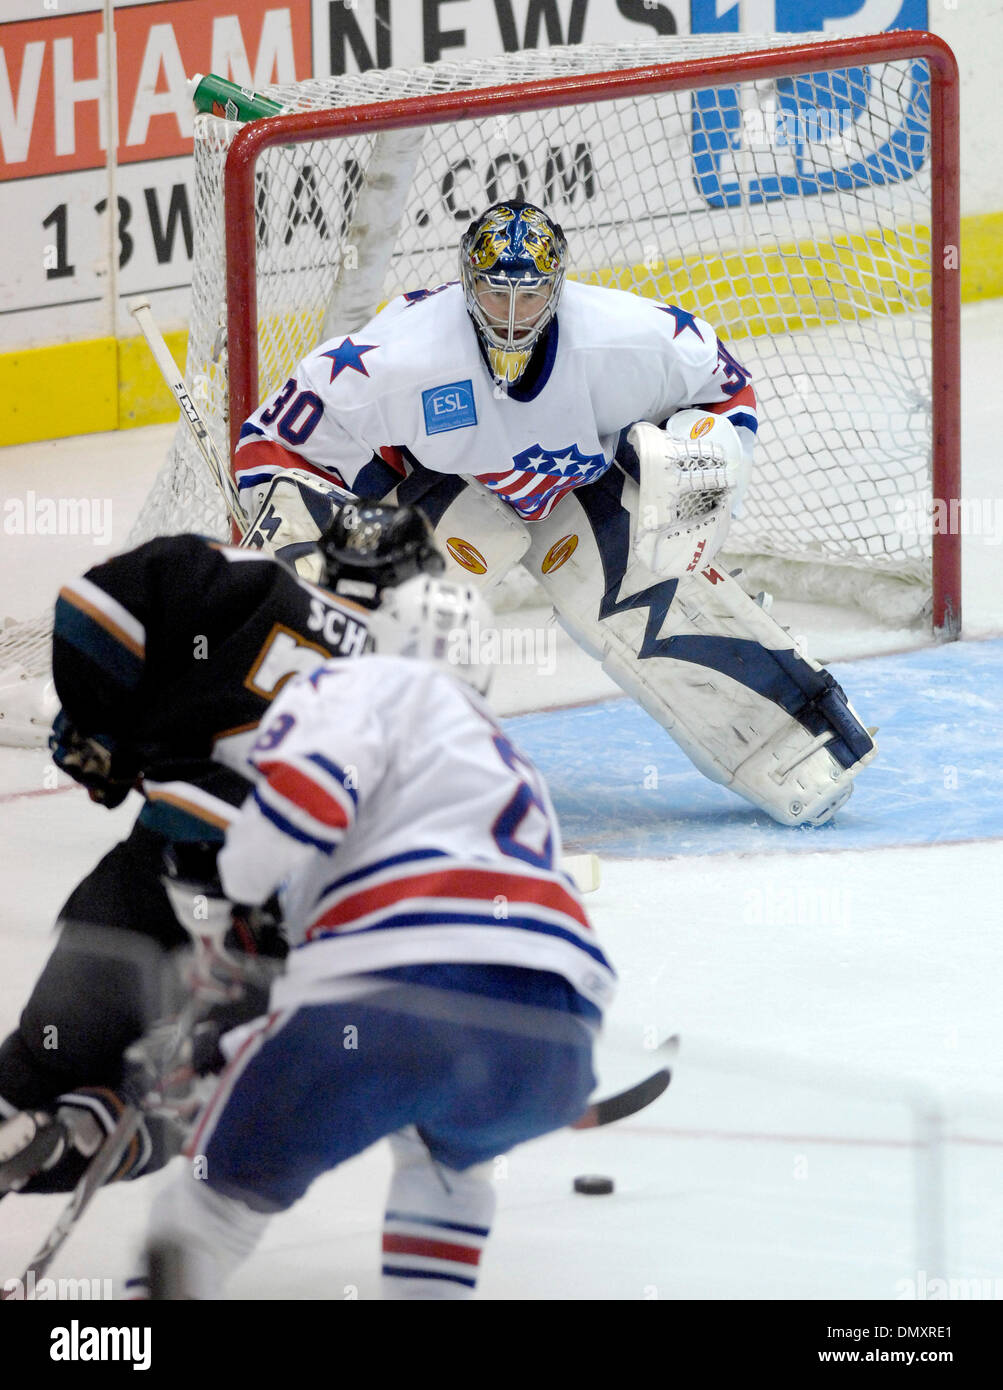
787	189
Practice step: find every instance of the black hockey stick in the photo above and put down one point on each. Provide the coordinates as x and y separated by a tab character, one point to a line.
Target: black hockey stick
623	1104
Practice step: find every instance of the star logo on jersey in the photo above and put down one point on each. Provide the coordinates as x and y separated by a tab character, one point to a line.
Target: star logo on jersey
348	354
682	318
561	463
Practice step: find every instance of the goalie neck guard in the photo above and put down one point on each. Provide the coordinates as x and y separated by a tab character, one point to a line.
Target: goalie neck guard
512	264
369	547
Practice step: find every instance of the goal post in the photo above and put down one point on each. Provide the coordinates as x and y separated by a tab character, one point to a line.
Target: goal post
798	192
857	256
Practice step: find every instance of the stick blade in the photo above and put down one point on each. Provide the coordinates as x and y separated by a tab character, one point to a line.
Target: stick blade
625	1103
628	1102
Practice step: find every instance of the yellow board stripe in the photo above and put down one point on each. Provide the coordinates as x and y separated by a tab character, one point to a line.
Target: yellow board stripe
106	384
982	257
791	286
52	392
143	399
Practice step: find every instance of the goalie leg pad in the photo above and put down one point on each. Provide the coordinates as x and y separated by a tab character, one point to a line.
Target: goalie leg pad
481	537
718	673
479	534
742	739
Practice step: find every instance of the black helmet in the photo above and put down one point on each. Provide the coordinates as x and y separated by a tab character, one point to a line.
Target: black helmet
370	546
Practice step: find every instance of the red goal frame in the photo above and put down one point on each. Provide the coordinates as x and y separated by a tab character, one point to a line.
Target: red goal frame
299	127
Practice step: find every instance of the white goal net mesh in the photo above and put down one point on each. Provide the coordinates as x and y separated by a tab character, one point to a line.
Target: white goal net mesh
792	213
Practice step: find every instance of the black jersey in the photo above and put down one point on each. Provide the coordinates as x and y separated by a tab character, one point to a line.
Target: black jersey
175	650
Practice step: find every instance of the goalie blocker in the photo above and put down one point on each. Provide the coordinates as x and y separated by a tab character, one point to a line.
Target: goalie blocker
291	509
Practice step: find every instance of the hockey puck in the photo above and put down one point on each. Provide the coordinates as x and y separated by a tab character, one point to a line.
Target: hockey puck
594	1186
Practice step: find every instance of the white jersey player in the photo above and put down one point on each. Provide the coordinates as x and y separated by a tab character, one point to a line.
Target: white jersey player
603	441
444	982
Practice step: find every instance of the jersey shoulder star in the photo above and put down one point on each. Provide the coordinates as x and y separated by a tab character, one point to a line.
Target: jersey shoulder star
682	318
349	354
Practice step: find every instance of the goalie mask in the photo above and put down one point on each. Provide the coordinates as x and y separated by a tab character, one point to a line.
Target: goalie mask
441	622
369	547
512	264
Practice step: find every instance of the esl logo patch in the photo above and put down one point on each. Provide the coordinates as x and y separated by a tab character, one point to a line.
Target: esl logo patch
449	407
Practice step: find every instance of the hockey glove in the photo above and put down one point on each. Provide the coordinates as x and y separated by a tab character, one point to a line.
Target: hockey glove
108	771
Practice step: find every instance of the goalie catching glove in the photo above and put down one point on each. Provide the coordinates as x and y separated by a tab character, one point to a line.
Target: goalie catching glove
691	474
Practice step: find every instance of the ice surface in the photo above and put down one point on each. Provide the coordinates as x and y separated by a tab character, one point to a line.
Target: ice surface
837	992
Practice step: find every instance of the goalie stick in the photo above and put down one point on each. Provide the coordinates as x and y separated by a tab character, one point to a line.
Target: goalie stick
214	461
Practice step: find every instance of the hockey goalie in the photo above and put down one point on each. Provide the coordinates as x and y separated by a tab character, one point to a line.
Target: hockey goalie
601	440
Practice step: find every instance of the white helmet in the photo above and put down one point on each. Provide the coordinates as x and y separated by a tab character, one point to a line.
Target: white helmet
439	621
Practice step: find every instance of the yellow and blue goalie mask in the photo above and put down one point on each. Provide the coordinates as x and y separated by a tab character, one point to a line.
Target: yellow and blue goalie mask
512	264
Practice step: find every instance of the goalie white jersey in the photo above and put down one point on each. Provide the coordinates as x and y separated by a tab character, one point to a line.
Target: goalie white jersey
412	388
404	828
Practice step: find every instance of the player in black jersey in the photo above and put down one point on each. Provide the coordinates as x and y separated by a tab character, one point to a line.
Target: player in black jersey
165	659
